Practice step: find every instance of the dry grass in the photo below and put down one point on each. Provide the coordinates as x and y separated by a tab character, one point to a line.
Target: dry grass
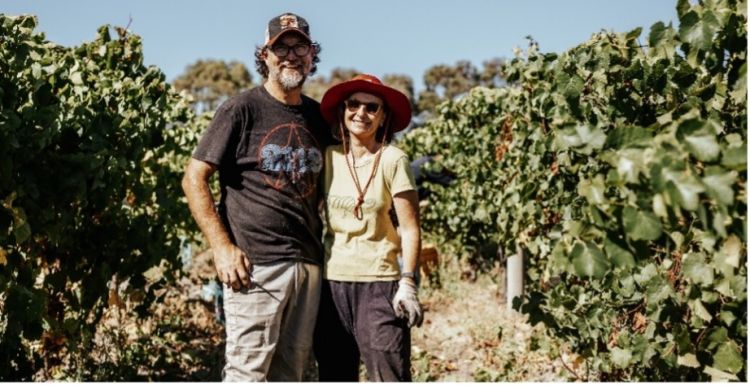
468	335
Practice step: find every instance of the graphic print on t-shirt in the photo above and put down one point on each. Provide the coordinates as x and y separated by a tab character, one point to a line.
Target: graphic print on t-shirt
290	156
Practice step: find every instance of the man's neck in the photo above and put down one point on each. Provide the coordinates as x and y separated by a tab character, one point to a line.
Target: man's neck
291	97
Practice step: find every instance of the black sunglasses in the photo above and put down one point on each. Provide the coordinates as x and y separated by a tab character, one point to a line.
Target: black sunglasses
299	49
353	106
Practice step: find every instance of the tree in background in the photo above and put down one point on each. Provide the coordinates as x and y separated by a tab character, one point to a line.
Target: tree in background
446	82
317	86
492	75
210	82
402	83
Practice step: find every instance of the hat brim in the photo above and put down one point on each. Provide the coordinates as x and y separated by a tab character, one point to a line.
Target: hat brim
398	104
284	32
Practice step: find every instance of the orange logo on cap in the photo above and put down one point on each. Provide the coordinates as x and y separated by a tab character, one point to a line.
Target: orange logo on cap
288	21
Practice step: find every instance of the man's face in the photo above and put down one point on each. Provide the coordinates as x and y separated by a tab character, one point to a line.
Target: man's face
289	71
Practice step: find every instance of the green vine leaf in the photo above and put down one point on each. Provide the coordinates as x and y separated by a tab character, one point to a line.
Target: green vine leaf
728	358
621	357
641	225
622	258
696	269
589	261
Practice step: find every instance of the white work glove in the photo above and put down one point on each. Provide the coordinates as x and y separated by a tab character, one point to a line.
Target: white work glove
406	304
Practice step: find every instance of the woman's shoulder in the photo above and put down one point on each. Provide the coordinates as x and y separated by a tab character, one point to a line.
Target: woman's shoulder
393	153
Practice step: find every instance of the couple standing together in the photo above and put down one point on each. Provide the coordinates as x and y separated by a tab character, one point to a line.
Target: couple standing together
291	284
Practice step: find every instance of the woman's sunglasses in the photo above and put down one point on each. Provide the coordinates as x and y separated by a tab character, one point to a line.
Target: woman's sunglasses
353	106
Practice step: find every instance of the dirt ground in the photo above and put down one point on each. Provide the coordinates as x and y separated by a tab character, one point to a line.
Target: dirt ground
467	335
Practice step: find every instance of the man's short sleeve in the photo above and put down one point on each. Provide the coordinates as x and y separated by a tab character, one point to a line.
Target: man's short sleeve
217	141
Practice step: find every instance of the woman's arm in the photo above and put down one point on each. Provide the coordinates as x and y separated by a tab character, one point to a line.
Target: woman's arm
405	302
406	204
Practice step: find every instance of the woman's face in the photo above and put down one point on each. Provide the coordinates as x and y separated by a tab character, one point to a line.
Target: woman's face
363	114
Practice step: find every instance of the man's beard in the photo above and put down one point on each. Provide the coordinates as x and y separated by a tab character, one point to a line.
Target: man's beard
290	79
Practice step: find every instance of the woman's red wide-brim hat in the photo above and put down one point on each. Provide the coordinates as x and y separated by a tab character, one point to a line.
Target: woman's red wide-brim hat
398	104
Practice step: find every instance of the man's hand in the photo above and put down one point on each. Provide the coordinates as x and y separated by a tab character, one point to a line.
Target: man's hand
233	266
406	304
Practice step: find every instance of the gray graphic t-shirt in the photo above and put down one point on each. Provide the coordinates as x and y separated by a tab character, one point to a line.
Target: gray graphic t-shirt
269	156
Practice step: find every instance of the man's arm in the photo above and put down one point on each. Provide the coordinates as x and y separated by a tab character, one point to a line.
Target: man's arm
232	265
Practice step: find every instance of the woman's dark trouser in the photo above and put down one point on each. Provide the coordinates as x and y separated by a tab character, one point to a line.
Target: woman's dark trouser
356	320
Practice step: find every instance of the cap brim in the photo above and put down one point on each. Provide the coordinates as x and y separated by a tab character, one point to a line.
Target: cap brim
397	102
284	32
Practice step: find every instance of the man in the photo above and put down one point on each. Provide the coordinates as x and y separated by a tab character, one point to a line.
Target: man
266	144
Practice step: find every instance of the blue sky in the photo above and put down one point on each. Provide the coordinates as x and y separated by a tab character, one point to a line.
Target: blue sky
375	36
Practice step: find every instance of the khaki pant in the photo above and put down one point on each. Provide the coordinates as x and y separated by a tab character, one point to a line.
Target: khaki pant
270	327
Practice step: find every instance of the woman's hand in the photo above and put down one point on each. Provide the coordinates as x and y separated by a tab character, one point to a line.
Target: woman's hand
406	304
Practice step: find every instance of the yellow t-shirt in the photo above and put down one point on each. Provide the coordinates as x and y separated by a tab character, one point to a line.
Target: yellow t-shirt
367	249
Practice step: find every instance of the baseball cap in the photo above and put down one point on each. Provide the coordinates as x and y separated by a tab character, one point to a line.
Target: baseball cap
284	23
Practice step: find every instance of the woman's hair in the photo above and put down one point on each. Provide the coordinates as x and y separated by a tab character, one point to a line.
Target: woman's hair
386	128
262	68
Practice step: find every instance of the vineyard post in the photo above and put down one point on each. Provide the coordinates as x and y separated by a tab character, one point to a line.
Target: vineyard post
514	271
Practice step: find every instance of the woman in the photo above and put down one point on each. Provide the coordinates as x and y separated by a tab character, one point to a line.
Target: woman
367	303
